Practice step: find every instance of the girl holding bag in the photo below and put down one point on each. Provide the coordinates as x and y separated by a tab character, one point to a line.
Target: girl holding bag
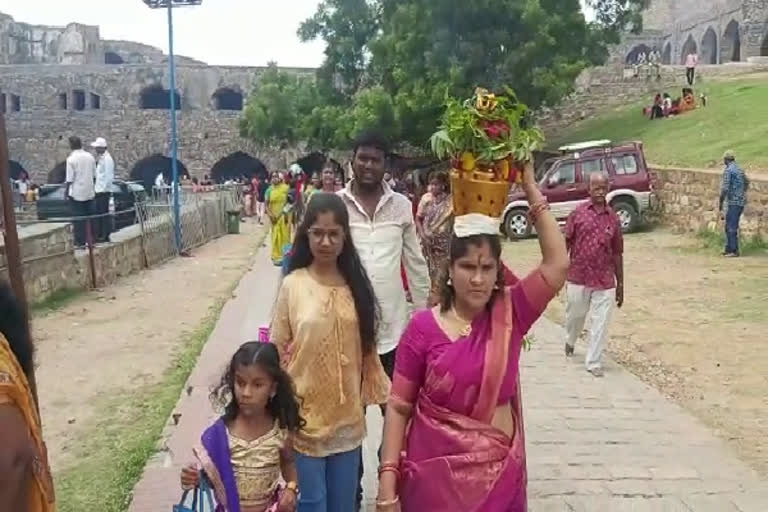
246	452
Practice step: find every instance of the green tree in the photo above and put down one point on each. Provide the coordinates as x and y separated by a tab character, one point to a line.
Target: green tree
390	64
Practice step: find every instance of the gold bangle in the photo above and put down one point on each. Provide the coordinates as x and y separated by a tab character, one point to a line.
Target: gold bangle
388	503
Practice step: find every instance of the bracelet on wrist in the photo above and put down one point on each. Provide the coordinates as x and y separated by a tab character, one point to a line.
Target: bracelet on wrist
388	503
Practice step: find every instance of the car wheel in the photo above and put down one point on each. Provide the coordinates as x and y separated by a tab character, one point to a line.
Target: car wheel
517	225
628	216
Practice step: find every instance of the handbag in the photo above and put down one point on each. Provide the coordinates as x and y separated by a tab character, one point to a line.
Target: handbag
200	495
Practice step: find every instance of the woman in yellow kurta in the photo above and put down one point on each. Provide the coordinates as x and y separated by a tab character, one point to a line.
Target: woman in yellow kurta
325	329
26	479
277	200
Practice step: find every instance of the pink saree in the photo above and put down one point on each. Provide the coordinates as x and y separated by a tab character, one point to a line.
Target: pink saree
454	459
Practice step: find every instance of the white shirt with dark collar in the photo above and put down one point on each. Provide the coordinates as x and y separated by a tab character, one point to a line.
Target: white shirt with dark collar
382	243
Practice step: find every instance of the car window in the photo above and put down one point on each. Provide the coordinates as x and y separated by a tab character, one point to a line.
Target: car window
564	174
625	164
589	167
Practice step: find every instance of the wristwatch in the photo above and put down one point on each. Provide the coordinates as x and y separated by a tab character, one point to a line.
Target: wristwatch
293	487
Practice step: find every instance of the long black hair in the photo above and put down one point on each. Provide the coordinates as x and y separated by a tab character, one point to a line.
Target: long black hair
458	249
15	328
284	406
348	262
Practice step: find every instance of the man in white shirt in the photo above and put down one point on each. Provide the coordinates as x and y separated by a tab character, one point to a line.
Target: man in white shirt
384	234
691	61
105	175
81	170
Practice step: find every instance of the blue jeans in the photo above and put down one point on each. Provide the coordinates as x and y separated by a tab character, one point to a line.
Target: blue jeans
732	217
328	484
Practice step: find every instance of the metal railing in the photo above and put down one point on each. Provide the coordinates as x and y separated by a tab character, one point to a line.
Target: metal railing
203	217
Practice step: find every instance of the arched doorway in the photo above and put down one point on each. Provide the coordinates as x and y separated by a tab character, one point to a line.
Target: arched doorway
146	170
15	169
227	98
666	56
236	165
58	174
637	50
312	163
689	47
764	47
112	58
730	43
155	97
709	47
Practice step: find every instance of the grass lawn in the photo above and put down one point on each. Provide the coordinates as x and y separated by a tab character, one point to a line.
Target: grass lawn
118	447
736	117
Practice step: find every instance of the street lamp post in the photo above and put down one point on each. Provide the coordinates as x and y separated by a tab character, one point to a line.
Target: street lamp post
169	5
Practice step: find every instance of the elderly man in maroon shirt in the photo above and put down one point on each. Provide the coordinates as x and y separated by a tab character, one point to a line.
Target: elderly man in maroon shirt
596	274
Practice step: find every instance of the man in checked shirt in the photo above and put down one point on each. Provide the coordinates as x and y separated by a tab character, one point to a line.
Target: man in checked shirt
596	272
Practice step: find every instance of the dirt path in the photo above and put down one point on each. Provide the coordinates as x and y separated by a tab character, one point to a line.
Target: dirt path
124	336
694	326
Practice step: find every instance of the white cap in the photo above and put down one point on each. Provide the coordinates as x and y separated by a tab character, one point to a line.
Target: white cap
99	143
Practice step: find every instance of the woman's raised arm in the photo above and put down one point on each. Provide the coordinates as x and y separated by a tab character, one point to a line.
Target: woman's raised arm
554	261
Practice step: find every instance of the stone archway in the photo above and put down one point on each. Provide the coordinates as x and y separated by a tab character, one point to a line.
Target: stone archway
227	98
635	51
58	174
146	170
709	54
236	165
15	169
155	97
689	47
730	43
312	163
113	58
666	56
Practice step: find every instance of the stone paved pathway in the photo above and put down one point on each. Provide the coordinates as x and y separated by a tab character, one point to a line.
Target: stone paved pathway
594	445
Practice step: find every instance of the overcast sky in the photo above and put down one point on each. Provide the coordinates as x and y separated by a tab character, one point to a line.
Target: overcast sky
224	32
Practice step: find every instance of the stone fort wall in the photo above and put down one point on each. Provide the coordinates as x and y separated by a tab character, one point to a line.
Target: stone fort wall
61	81
721	31
56	101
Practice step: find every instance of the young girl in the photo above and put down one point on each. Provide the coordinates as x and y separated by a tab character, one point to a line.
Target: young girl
246	451
325	327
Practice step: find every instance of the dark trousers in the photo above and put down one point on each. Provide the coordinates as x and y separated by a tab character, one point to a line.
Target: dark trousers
102	225
690	74
388	362
81	209
732	218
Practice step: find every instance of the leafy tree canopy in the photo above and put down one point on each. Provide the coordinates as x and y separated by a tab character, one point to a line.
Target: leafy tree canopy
390	64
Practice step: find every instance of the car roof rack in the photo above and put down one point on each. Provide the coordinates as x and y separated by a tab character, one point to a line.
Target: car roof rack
581	146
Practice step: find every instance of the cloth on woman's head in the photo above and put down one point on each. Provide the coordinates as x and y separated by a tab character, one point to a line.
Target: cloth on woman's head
475	224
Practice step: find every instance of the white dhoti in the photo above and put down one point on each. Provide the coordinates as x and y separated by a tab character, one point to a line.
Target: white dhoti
598	304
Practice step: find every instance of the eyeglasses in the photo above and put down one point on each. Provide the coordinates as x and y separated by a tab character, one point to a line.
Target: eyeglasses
334	235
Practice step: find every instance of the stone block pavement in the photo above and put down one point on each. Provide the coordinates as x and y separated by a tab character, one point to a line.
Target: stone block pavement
594	445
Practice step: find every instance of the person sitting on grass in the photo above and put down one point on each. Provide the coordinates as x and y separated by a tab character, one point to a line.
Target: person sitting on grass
245	453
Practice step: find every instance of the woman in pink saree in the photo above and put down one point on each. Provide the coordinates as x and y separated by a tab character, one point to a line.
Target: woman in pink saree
453	434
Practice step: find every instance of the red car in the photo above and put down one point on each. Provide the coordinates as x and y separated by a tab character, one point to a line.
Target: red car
565	180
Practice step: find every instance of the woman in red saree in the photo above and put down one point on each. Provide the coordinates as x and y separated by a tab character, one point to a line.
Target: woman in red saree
453	433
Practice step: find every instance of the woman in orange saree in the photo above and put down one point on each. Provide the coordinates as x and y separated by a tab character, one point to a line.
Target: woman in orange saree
453	435
26	482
